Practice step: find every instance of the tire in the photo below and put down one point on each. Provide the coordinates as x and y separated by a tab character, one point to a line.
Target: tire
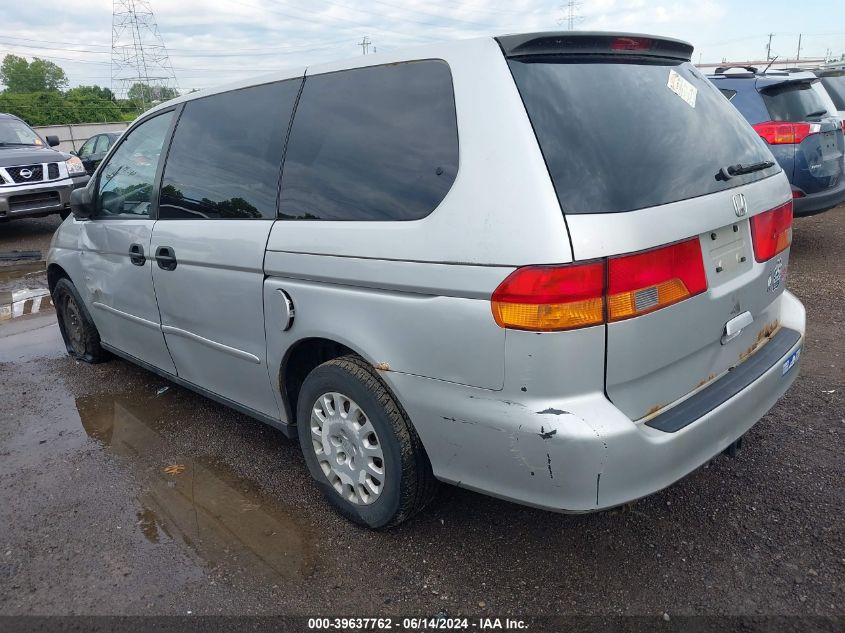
80	335
407	483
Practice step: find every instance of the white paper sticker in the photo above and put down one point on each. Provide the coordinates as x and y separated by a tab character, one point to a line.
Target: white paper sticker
681	87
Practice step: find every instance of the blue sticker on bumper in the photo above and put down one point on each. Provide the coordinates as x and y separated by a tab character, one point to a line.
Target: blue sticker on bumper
789	363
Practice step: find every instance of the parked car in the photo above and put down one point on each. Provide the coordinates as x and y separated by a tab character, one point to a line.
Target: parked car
95	149
834	83
547	267
35	180
791	111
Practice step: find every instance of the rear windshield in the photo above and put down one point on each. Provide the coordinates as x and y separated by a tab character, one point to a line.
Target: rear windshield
835	87
616	137
793	102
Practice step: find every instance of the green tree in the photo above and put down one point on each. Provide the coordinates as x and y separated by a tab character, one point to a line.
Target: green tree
142	93
40	75
91	91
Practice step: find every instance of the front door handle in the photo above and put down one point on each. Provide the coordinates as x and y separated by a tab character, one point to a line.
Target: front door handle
136	255
166	258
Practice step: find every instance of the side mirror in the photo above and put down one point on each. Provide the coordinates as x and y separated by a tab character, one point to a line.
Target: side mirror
82	203
52	140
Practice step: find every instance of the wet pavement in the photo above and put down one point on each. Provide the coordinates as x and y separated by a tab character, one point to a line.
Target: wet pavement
121	493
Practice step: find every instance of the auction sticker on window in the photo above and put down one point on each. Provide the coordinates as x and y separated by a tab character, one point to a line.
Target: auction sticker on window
681	87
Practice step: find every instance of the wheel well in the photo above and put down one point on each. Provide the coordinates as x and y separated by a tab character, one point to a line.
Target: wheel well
54	273
300	360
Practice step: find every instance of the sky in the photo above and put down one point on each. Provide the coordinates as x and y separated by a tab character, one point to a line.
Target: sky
212	42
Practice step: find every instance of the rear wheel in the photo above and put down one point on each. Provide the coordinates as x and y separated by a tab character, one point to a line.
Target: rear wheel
360	446
81	337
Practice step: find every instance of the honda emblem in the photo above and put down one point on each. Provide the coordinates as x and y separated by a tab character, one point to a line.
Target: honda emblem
740	206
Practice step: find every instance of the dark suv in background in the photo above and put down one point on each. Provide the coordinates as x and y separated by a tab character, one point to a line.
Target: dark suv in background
35	179
806	138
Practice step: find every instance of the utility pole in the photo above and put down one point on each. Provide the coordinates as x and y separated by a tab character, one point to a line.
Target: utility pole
798	54
365	45
769	48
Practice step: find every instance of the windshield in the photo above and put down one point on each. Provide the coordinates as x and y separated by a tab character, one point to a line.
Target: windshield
15	132
622	136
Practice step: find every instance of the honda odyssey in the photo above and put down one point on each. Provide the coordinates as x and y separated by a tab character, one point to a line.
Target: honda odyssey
546	267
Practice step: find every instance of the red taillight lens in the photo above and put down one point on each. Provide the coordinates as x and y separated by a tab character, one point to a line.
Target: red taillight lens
796	193
631	44
552	298
644	282
549	298
778	133
771	232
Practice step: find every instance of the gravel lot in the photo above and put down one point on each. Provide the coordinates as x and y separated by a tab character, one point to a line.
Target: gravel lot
121	494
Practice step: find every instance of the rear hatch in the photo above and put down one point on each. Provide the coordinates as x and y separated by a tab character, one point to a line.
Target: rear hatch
657	175
802	121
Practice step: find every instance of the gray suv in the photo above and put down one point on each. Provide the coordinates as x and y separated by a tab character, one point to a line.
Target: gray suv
35	180
547	267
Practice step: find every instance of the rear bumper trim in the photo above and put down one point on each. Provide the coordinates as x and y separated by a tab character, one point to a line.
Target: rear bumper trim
817	202
728	386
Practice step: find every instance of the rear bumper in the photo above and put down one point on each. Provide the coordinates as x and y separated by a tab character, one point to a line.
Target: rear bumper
579	454
40	198
819	202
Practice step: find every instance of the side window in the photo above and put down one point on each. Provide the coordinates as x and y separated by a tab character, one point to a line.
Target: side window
226	155
126	182
88	147
102	145
378	143
729	94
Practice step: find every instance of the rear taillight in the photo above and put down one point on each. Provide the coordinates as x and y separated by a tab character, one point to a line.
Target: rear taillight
771	232
780	133
553	298
548	298
644	282
797	193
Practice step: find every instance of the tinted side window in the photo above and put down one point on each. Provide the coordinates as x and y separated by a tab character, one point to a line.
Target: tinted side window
792	102
226	155
88	147
126	182
377	143
102	144
729	94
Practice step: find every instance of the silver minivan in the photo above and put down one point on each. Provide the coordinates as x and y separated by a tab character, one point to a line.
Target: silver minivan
546	267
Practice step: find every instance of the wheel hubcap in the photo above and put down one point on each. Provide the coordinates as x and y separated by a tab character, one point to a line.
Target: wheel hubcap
347	448
73	325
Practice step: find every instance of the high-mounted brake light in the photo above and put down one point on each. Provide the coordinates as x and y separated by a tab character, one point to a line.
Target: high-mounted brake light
771	232
549	298
644	282
780	133
631	44
553	298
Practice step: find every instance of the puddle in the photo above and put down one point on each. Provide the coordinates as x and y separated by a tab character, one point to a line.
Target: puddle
195	501
23	290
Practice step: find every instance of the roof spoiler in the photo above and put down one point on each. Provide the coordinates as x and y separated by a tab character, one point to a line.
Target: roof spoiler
593	43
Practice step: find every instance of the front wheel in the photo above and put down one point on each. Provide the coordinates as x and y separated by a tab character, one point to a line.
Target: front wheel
360	446
81	337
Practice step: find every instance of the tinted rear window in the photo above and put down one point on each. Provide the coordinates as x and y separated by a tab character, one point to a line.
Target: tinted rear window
835	87
616	138
792	102
378	143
